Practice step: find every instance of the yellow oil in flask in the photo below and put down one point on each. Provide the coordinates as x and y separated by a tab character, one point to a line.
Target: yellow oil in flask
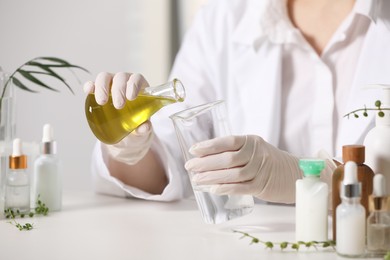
110	125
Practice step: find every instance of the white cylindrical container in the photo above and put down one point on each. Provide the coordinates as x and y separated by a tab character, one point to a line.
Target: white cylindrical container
377	141
47	176
311	203
350	215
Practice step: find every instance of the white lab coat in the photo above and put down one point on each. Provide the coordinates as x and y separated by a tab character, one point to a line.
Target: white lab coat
227	55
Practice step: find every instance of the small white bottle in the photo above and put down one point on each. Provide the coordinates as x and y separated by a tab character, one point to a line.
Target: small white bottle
350	215
378	223
47	176
311	206
17	188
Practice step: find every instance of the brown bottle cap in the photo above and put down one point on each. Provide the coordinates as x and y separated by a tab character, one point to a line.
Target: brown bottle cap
18	162
355	153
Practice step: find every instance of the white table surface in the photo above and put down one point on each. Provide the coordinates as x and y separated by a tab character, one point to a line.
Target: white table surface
93	226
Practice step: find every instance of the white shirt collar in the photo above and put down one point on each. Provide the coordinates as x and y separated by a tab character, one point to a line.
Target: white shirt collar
270	20
368	8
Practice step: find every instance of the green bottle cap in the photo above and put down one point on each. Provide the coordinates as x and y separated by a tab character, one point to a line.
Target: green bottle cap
311	166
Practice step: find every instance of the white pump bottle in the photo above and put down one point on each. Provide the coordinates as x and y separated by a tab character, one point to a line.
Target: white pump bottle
47	176
377	141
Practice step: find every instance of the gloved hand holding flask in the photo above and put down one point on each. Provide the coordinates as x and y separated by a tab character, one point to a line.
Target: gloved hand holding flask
119	109
123	86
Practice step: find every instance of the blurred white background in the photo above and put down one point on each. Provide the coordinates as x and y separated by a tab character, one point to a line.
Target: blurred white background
109	35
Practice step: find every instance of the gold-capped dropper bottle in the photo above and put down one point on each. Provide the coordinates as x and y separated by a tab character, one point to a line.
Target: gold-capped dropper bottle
378	223
17	190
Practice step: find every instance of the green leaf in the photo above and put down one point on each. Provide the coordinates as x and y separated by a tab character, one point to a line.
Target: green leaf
62	63
35	80
50	72
269	244
295	246
283	245
20	85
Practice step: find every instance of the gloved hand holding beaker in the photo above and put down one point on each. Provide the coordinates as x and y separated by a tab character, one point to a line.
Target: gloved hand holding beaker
123	86
245	165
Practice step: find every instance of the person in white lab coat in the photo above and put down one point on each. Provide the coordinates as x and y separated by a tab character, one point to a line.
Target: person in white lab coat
288	71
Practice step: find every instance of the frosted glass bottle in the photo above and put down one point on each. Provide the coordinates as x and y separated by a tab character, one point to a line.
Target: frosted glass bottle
354	153
351	216
311	203
47	176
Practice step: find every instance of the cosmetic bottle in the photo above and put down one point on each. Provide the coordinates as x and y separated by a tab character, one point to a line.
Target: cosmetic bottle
17	190
377	140
47	184
378	223
350	215
354	153
311	206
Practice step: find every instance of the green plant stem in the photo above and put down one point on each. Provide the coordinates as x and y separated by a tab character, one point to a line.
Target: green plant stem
25	227
364	110
9	80
285	244
40	209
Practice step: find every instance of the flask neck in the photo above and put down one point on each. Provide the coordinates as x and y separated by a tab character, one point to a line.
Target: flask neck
173	89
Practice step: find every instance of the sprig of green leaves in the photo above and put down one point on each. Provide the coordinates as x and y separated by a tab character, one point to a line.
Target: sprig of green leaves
285	244
40	209
25	227
378	108
40	66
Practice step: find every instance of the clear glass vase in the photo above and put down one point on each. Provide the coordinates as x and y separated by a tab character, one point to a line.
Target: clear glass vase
7	130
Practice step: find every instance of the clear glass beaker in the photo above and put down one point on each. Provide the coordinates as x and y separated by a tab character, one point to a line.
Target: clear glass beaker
198	124
110	125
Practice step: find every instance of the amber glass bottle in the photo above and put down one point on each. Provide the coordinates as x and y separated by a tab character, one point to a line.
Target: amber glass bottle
355	153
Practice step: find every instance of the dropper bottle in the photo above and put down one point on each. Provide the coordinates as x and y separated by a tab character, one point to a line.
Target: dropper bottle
350	215
378	223
47	176
17	190
355	153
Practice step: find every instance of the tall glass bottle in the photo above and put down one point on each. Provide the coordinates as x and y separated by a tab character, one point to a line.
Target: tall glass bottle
110	125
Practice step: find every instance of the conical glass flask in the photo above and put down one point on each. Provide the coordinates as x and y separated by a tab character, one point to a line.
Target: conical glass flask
110	125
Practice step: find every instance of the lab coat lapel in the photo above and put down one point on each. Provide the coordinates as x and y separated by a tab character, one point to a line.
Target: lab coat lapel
372	69
257	71
257	78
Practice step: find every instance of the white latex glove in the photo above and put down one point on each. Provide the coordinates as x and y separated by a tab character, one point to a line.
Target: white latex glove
245	165
123	86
